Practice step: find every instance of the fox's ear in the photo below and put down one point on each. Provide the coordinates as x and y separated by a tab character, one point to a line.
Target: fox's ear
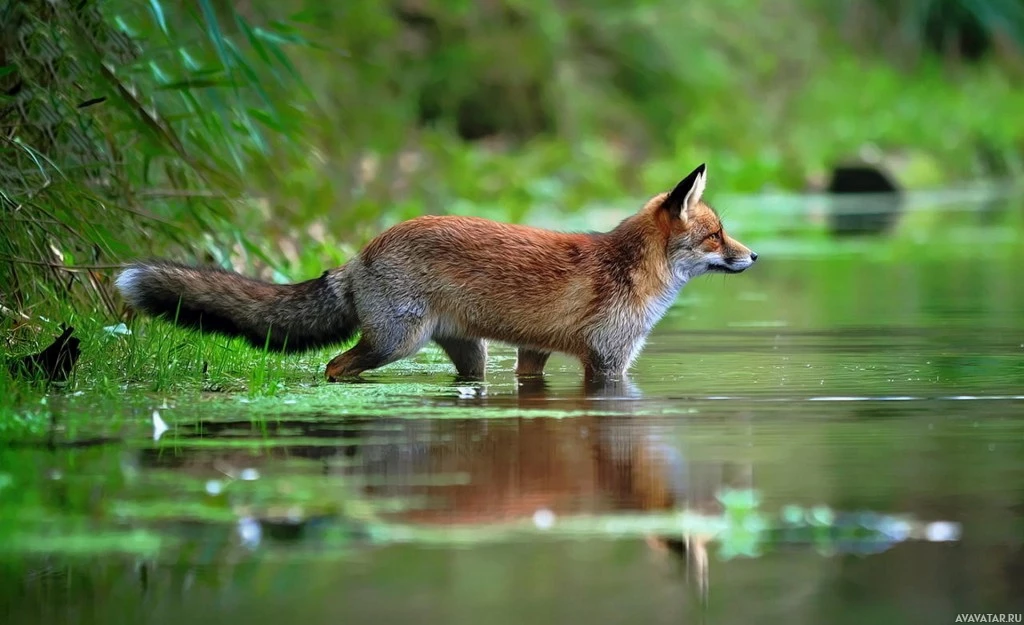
688	192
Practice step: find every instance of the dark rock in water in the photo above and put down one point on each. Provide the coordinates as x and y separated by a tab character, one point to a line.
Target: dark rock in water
861	178
53	364
874	215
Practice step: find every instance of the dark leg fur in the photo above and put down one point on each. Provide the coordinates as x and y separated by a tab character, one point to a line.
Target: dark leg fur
531	361
604	367
351	363
468	355
379	346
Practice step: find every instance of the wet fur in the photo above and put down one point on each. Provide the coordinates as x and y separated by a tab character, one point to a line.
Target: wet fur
461	281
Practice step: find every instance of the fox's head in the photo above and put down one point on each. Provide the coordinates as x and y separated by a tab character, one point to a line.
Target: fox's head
697	243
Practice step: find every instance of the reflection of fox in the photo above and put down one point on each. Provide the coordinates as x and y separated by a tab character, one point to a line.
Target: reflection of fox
467	472
463	280
473	473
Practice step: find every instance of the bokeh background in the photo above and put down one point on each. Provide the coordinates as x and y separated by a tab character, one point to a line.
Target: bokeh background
278	136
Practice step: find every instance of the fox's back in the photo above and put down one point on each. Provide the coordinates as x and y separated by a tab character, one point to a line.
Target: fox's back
492	279
454	243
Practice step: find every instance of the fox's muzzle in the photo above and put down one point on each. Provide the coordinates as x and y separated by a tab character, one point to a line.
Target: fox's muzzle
733	265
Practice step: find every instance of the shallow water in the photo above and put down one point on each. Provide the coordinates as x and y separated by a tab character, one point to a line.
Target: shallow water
874	383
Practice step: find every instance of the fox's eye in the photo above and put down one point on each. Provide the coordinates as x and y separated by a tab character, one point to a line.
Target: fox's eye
716	237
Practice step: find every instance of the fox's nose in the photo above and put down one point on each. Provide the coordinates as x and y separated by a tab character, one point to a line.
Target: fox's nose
753	256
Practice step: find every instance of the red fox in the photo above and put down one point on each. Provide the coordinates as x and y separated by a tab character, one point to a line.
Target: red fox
461	281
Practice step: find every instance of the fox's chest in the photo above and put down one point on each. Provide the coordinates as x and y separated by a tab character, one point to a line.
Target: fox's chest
645	312
628	321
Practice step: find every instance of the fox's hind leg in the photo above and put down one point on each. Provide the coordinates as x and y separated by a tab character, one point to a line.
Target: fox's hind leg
531	361
379	346
468	355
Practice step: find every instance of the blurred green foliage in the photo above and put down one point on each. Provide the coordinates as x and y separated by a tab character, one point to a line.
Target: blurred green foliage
275	137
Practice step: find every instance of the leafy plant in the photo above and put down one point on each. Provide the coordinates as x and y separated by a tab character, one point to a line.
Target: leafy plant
114	148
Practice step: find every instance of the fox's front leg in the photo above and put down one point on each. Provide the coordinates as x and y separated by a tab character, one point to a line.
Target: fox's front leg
608	359
605	365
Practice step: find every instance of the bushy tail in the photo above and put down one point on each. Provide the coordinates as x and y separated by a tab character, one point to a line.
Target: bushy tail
283	317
